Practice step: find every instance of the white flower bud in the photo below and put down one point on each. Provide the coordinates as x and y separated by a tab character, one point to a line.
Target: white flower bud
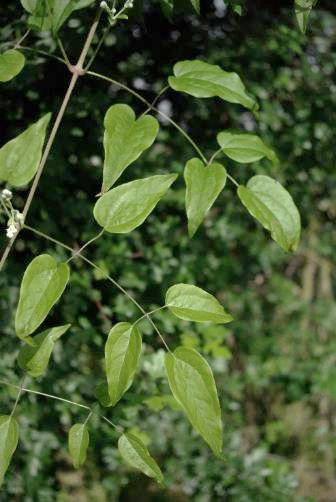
6	194
104	6
18	217
11	231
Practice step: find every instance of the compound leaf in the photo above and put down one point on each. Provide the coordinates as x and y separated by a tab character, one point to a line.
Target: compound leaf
78	442
204	80
272	205
35	358
11	64
135	453
122	351
125	139
42	285
21	156
244	148
204	184
9	438
125	207
191	303
193	386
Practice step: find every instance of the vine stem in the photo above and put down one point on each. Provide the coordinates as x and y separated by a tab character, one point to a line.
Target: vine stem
76	253
77	71
57	398
107	277
151	107
18	396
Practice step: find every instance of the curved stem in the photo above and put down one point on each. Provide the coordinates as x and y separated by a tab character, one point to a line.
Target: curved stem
18	396
159	112
77	253
108	277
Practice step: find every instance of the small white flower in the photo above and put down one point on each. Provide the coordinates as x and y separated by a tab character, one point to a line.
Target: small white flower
104	6
18	217
11	231
6	194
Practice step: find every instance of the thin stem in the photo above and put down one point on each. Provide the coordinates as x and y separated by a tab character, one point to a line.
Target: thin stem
76	253
43	53
212	158
159	112
88	417
76	74
19	42
155	100
44	394
18	396
97	49
62	49
5	207
108	277
231	178
111	423
148	313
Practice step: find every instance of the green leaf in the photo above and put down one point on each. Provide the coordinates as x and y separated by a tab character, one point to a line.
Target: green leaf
101	393
191	303
125	139
52	14
122	351
78	442
204	184
9	438
126	207
42	285
196	5
244	148
303	9
135	453
270	203
35	358
21	156
192	384
204	80
11	64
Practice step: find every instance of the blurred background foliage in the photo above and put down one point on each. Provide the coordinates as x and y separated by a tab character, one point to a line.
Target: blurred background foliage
275	365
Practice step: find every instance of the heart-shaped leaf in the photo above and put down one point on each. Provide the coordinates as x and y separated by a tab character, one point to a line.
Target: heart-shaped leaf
21	156
244	148
35	358
192	384
204	80
125	139
122	351
127	206
270	203
135	453
42	285
204	184
78	442
191	303
11	64
9	438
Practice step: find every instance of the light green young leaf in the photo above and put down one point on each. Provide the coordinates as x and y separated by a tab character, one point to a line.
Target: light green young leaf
270	203
11	64
135	453
9	438
204	80
122	351
191	303
125	139
192	384
35	358
42	285
303	9
244	148
52	14
126	207
78	442
21	156
204	184
196	5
